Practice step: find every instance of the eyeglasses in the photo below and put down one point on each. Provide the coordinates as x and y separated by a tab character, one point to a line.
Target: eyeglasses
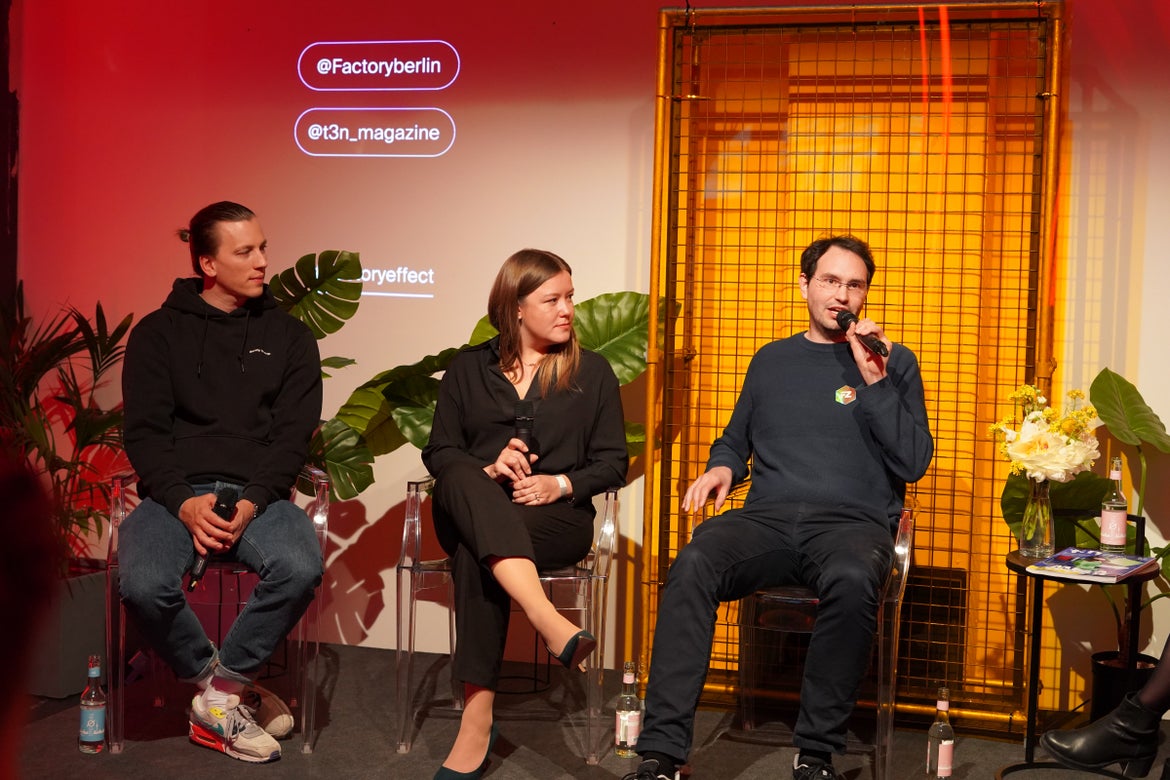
832	284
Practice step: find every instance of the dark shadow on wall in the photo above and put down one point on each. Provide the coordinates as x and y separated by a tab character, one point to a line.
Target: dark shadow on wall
357	576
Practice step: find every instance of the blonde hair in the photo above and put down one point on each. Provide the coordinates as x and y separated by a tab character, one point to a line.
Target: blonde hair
519	276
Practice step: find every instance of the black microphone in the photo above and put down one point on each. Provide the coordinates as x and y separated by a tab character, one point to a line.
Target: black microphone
845	318
523	426
225	504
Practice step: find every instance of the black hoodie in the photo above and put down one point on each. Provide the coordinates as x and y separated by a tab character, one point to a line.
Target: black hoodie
216	396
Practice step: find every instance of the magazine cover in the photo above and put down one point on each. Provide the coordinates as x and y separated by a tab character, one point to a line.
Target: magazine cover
1093	565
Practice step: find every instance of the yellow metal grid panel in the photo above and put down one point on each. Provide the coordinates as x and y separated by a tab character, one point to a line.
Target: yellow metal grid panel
925	136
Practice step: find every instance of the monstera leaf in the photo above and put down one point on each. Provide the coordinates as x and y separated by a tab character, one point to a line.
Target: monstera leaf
616	325
340	451
322	290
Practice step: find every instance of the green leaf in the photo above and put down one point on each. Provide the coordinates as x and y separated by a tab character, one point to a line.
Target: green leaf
483	332
369	409
337	362
616	325
339	450
415	422
635	438
1127	415
322	291
367	412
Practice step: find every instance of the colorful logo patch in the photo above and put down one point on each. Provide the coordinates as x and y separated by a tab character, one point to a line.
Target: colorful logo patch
846	395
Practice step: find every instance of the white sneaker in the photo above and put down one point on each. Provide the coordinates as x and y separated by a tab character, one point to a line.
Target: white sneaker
230	729
268	709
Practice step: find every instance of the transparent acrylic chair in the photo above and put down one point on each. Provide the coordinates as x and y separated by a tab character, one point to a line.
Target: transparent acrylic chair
793	610
582	588
229	580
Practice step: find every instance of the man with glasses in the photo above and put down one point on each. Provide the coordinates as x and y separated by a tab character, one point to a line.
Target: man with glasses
834	431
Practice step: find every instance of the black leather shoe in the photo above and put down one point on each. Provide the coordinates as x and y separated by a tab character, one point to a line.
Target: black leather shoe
579	646
450	774
1127	736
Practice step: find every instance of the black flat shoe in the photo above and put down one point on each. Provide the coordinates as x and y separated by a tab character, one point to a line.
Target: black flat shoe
579	646
450	774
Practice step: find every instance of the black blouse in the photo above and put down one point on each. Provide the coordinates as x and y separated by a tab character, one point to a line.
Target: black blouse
579	432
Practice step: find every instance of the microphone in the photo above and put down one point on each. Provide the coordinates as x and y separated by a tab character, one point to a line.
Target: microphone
523	426
845	318
225	504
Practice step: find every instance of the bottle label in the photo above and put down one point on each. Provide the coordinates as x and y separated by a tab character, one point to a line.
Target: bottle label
627	728
1113	527
93	723
946	757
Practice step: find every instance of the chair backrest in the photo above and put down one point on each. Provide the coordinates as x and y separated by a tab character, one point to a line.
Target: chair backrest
411	552
607	536
316	484
903	554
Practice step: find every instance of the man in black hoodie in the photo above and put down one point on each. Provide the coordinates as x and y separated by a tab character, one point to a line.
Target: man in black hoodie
222	393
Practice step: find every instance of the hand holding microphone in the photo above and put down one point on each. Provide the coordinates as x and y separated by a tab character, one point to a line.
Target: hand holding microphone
225	506
845	318
523	426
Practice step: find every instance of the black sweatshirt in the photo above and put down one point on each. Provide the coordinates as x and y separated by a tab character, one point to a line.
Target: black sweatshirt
812	441
216	396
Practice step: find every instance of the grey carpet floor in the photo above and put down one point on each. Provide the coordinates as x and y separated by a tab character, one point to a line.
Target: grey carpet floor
358	738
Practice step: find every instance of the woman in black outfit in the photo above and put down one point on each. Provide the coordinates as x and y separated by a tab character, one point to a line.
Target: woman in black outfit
504	508
1127	736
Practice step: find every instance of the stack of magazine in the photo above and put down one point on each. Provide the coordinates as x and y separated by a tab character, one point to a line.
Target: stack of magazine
1075	563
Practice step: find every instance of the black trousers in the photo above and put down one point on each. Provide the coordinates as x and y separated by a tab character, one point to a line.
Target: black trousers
845	558
475	520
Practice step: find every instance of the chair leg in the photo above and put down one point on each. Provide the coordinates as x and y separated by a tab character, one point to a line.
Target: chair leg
305	671
888	621
404	656
457	699
115	663
595	610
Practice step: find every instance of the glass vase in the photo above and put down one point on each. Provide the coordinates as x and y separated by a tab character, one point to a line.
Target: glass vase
1036	527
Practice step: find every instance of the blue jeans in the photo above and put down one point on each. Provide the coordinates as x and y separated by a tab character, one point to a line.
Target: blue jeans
155	550
844	556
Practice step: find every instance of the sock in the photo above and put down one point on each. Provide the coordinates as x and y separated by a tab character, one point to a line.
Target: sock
218	690
821	756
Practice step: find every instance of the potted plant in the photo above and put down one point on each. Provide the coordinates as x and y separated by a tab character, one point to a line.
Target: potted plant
1076	505
52	416
1132	422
